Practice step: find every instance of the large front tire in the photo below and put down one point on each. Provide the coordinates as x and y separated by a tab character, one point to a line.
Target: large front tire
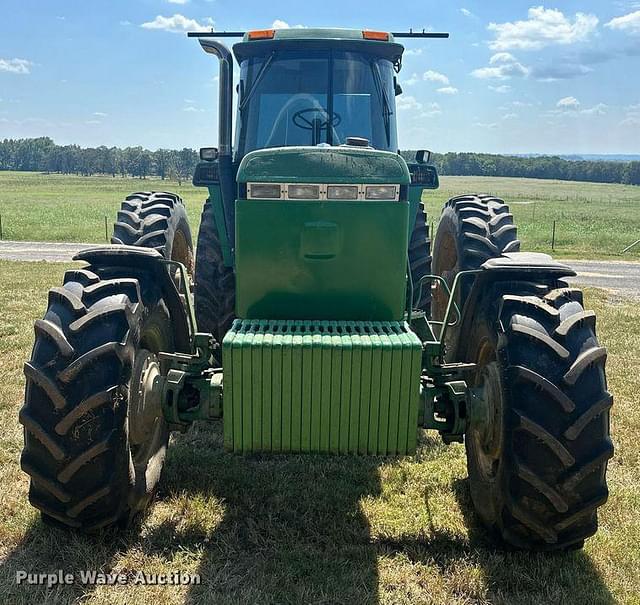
93	447
537	456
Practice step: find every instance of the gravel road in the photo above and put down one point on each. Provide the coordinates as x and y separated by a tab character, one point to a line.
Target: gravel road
620	277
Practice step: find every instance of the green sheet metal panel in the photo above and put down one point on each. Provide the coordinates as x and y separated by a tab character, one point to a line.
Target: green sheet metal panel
333	165
360	274
321	386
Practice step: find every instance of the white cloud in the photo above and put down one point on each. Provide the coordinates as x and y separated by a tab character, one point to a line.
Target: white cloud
502	66
177	1
466	12
93	122
448	90
125	23
628	23
510	116
544	27
571	108
597	110
559	71
568	102
178	24
633	116
280	24
431	110
490	126
435	76
414	79
413	51
502	89
407	102
16	66
192	109
100	114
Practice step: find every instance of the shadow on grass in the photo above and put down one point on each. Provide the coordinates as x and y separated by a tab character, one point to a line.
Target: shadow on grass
289	529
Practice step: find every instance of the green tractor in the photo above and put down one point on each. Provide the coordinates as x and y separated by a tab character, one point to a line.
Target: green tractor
313	317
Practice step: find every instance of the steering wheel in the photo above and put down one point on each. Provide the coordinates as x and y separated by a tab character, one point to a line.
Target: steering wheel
301	120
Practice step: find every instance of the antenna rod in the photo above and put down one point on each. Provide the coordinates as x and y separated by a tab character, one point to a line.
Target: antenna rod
409	34
422	34
213	34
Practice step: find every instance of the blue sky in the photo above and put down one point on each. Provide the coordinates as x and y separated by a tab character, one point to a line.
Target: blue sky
514	77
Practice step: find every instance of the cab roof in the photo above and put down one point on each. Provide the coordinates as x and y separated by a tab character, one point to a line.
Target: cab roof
262	42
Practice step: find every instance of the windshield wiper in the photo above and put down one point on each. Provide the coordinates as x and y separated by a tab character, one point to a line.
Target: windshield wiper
263	70
386	106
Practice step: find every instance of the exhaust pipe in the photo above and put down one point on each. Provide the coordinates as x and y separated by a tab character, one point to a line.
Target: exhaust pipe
225	104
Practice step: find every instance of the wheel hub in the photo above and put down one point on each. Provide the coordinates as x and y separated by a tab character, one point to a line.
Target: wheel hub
145	398
486	421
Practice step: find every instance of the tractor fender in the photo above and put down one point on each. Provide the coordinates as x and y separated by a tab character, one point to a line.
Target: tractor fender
153	263
510	267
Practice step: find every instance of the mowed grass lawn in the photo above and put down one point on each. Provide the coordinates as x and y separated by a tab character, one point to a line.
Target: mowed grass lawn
315	529
593	220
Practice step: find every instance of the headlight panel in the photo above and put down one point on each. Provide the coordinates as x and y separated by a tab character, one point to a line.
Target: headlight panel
303	192
381	192
323	191
343	192
265	191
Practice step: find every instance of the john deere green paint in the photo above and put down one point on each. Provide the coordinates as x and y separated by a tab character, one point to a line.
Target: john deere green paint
319	324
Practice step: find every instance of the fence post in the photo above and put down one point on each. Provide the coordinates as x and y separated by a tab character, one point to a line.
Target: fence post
106	230
553	237
1	237
626	249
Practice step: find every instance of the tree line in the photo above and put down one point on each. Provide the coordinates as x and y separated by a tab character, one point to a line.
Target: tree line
43	155
539	167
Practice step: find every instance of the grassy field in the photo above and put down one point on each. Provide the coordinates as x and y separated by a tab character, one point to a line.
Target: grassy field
592	220
316	529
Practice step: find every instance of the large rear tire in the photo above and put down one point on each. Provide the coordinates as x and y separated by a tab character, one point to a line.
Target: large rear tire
215	288
94	447
156	219
537	458
472	229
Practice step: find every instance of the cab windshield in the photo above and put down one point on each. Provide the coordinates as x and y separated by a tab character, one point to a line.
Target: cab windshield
315	97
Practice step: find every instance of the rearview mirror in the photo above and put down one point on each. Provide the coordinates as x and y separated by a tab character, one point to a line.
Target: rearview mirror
420	156
209	154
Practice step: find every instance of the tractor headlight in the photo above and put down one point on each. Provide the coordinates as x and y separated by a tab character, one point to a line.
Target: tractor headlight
264	191
342	192
303	192
381	192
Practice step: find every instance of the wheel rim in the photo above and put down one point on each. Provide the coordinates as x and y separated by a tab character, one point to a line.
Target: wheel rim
486	433
181	251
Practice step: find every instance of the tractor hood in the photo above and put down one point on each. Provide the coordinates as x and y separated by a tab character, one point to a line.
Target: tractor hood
344	164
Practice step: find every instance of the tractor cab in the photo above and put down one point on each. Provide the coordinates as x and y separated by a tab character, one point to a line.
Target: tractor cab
309	88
